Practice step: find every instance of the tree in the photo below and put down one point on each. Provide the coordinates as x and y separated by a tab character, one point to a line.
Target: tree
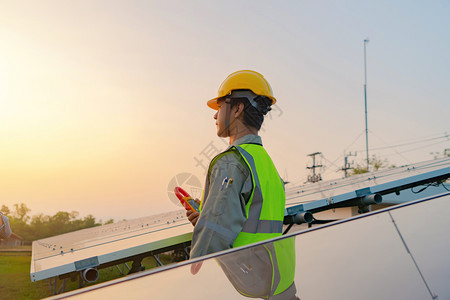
18	221
41	226
89	221
437	155
110	221
447	152
21	211
374	164
5	210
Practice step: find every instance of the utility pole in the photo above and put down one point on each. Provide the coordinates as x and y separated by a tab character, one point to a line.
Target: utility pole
314	177
346	164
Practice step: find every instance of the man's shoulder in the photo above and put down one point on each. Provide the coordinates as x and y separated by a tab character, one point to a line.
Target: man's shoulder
231	158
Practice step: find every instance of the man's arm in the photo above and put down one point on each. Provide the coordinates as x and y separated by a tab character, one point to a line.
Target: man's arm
223	212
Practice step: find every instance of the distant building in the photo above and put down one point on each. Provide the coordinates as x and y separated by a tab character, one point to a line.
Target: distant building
13	241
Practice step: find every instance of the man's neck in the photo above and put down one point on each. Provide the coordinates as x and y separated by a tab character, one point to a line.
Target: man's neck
242	132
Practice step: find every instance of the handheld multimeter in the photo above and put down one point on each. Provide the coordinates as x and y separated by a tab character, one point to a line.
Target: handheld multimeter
185	199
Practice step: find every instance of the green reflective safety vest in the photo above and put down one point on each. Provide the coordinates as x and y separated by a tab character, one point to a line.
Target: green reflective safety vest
265	208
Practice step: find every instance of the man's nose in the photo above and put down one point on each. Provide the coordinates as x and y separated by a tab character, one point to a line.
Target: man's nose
215	115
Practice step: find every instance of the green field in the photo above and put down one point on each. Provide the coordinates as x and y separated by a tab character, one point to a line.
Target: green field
15	280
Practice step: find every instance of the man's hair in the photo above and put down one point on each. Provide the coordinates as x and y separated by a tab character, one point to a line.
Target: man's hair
253	116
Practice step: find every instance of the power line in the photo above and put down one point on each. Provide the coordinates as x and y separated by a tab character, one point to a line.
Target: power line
406	144
345	150
392	147
400	153
425	146
447	136
331	163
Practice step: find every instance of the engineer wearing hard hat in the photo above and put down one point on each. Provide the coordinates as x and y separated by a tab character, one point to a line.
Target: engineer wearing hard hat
243	200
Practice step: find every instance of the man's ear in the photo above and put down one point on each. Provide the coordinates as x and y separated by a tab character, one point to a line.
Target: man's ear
239	110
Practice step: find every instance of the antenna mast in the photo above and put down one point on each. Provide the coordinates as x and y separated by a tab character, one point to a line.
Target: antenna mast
365	102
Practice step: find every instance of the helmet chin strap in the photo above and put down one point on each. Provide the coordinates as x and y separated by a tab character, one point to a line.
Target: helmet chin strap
227	115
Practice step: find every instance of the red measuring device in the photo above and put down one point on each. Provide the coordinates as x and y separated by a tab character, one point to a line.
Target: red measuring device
186	199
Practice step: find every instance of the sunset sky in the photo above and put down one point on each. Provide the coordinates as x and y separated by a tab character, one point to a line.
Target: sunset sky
102	103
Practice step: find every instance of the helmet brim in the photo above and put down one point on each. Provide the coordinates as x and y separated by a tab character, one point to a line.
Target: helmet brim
213	103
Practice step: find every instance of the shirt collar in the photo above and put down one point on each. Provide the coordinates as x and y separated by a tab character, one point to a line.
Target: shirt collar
248	139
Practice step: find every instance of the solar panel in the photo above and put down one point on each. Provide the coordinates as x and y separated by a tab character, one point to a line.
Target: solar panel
324	195
400	252
104	244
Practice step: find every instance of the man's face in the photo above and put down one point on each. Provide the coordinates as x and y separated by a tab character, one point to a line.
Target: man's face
220	117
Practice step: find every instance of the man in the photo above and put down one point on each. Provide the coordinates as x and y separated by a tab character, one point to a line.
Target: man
5	228
243	201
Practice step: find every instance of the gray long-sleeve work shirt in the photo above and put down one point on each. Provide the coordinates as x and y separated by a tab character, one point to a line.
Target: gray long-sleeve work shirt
223	211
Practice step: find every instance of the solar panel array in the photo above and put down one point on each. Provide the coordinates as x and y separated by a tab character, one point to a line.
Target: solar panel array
396	253
111	243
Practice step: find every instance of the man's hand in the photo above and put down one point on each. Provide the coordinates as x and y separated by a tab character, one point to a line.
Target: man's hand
196	267
193	216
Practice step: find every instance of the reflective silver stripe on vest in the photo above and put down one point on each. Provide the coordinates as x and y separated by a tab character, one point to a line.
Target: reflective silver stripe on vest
276	276
269	226
253	223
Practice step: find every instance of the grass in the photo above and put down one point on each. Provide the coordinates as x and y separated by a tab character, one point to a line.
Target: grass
15	280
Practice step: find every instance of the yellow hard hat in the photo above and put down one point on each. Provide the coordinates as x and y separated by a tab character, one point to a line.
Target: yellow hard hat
243	80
